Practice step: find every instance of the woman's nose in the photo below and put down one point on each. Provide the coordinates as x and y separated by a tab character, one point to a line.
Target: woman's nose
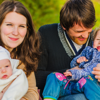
15	31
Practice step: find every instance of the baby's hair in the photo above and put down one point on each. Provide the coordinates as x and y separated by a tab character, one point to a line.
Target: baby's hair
95	33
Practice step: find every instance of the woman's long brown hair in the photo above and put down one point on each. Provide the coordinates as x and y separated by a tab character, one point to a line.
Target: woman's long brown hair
28	51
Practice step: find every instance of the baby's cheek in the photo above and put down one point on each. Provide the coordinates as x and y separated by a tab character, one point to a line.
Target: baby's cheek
94	46
10	72
0	75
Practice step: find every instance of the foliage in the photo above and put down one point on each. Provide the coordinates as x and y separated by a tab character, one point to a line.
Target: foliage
97	11
42	11
48	11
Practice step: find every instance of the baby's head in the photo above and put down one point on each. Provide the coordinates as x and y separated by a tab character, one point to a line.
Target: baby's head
96	38
5	64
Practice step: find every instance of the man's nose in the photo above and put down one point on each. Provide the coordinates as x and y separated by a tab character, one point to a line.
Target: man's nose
85	35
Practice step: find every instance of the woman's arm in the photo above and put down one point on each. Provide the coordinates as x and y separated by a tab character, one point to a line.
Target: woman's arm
32	93
49	58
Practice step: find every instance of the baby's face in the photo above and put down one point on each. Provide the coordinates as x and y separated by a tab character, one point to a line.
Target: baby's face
5	69
96	43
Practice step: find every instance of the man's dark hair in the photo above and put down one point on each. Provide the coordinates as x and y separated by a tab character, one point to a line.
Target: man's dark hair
77	11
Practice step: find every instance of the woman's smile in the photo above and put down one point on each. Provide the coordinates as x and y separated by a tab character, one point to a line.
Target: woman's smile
13	39
13	30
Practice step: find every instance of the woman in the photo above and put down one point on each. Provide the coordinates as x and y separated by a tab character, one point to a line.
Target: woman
17	35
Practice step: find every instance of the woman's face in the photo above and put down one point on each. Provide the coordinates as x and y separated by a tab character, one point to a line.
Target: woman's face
13	29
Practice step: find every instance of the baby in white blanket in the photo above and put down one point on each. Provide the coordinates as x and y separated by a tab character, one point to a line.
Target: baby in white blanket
13	81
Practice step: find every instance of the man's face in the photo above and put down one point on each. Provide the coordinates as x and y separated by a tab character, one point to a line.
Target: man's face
79	34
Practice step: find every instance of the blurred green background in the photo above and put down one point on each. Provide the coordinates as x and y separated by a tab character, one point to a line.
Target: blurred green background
48	11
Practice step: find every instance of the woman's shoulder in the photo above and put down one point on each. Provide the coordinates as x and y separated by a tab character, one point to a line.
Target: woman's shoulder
21	65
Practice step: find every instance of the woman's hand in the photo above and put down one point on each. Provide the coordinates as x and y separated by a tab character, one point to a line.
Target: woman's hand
96	72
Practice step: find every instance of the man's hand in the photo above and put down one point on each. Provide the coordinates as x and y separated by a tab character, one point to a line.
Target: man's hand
96	72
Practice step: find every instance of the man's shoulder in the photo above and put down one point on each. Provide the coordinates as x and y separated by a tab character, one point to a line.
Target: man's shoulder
49	27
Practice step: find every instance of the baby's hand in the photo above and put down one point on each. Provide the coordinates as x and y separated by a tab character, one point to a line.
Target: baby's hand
81	59
67	73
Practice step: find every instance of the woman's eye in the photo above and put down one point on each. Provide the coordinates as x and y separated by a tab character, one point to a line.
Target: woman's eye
22	26
9	24
7	66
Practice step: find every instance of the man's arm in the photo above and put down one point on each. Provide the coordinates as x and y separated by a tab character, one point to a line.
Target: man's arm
46	58
96	72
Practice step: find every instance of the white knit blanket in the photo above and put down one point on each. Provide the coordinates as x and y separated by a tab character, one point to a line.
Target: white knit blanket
19	86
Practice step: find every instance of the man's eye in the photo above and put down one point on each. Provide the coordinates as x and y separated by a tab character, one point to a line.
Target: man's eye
7	66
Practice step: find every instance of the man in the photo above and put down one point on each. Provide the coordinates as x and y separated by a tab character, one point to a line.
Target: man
61	42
